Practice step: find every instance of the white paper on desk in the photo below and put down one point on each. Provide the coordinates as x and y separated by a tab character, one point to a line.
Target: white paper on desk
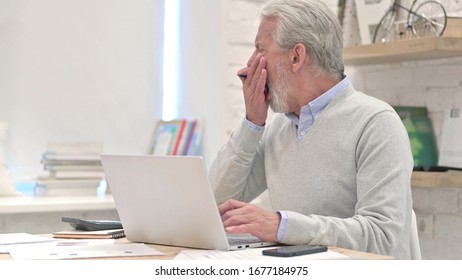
55	242
44	252
451	142
10	239
251	254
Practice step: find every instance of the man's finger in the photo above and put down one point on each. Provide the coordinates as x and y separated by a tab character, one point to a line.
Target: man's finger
240	229
230	205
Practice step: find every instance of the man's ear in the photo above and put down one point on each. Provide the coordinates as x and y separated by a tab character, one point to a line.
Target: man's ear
299	57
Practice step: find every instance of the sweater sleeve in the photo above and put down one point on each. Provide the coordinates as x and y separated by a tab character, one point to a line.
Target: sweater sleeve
382	218
238	170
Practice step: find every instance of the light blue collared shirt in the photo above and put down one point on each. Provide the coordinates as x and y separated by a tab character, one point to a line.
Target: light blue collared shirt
310	112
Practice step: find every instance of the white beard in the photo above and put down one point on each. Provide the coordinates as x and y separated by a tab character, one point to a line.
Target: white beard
279	91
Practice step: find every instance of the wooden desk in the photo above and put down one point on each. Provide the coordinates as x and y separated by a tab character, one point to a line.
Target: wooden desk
171	252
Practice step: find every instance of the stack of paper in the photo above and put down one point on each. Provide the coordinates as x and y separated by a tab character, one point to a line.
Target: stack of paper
251	254
71	169
23	246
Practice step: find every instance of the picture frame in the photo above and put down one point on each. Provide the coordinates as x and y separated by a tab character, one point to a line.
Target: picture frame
165	136
369	13
177	137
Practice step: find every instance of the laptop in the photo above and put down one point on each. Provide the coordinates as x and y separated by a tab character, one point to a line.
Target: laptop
168	200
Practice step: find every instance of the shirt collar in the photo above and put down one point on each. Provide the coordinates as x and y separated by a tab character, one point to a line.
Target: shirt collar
311	111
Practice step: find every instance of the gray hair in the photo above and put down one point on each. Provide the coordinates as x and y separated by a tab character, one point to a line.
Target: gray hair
313	24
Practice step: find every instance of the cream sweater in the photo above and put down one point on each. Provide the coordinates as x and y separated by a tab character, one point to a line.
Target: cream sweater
346	184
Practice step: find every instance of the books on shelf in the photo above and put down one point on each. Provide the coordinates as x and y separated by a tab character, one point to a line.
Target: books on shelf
420	130
72	168
50	186
89	147
58	166
67	190
177	137
80	153
77	174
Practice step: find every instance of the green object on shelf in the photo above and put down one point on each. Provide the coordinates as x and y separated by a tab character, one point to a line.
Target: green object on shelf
411	111
421	136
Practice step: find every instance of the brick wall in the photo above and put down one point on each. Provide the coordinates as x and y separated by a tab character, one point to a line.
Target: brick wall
436	84
439	221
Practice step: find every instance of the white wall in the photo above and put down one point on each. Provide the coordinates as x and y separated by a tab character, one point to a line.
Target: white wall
202	59
86	70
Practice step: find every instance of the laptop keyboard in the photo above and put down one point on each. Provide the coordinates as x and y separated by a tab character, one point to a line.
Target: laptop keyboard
242	239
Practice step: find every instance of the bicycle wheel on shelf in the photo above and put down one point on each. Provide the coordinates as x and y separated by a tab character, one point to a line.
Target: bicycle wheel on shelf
429	19
385	30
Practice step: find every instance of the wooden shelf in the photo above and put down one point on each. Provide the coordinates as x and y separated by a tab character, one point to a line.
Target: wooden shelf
448	179
404	50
